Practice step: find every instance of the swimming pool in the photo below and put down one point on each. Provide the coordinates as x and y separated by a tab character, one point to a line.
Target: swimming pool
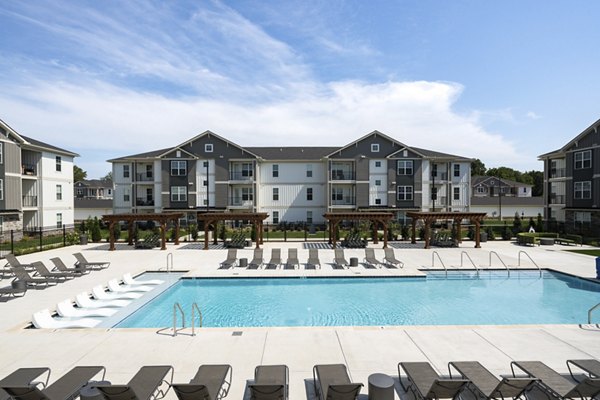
459	299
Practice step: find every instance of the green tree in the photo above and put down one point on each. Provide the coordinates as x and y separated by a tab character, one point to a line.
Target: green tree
107	177
78	174
537	180
96	232
478	168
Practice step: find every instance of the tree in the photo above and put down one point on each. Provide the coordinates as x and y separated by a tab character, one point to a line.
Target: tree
78	174
107	177
537	178
478	168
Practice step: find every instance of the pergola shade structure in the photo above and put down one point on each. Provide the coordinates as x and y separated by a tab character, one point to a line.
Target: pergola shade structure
377	218
161	218
255	218
430	217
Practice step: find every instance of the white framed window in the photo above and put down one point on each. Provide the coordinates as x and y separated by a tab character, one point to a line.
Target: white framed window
148	171
126	195
58	192
178	168
405	167
178	193
583	159
208	148
309	217
205	183
109	192
275	170
337	194
374	147
178	153
205	164
247	194
58	163
126	171
377	182
456	170
309	170
309	194
456	193
480	189
434	170
583	216
583	190
59	220
275	217
275	194
405	192
377	202
247	170
377	164
79	192
1	189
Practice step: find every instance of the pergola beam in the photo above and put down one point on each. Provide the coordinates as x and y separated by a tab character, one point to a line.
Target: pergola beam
161	218
430	217
257	220
334	220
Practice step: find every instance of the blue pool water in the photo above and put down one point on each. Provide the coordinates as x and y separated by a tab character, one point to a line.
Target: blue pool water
460	299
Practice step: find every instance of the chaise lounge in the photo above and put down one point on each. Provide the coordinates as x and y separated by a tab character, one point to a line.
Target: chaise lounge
390	259
23	377
257	259
292	260
332	382
144	385
231	259
94	265
270	382
275	260
370	258
426	384
339	261
313	259
211	382
61	267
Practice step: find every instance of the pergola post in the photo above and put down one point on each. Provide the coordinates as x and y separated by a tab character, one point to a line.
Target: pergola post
163	236
477	234
427	232
329	224
385	234
413	240
176	230
458	230
375	235
205	234
130	232
111	234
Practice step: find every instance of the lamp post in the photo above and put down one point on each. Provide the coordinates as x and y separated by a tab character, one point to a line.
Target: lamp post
433	191
207	188
500	198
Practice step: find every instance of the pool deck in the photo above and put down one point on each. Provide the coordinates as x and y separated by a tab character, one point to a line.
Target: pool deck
364	350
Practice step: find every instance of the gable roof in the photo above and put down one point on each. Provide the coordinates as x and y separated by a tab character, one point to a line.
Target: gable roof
486	181
593	127
100	183
371	134
210	133
436	154
142	156
36	144
292	153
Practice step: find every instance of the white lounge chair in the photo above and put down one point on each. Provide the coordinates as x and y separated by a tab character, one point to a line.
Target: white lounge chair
129	280
99	293
83	300
44	320
66	309
113	286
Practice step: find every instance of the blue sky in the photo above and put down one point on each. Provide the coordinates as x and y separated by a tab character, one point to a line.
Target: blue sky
499	81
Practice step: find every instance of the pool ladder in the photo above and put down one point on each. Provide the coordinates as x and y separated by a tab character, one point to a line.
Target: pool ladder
530	259
435	253
178	311
499	259
464	253
590	311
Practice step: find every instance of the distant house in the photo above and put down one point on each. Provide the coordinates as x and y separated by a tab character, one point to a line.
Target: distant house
504	198
93	198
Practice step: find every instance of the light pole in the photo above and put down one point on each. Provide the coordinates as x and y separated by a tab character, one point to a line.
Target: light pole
433	191
207	189
500	198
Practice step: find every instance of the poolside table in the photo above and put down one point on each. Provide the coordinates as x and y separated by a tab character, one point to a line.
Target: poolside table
243	263
381	387
353	261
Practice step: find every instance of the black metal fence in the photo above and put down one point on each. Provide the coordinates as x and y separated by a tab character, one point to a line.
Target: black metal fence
31	241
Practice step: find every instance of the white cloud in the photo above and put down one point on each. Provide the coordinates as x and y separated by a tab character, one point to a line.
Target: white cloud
532	115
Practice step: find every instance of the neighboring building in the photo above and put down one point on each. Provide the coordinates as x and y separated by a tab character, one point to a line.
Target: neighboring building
90	208
515	198
491	186
209	172
36	183
94	189
572	182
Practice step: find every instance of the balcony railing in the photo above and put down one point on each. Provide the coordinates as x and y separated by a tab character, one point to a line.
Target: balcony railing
344	201
240	202
241	176
30	201
557	199
558	172
28	169
143	177
144	202
337	175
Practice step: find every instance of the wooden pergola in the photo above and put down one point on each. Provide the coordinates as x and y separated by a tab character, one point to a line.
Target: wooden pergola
161	218
382	218
255	218
430	217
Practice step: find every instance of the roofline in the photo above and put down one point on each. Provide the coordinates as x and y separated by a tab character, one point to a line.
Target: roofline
26	144
375	132
563	149
407	148
209	133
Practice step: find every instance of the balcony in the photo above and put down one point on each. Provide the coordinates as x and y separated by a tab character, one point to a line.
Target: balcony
28	169
30	201
241	176
341	175
239	201
144	202
440	176
143	177
557	198
343	201
557	173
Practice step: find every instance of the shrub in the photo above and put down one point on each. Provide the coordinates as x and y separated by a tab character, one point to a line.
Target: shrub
506	233
96	232
422	233
117	231
490	233
194	231
540	222
405	232
517	224
471	233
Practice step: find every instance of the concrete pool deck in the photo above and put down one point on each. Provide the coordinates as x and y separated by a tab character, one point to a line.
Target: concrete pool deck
365	350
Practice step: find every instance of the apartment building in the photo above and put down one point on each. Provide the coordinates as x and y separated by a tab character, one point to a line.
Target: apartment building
36	183
572	181
500	198
209	172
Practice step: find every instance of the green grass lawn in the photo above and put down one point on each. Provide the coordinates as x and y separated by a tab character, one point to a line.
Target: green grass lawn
589	252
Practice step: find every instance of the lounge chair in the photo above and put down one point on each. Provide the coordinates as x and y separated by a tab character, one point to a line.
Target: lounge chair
129	280
257	259
99	293
556	384
95	265
11	261
45	272
149	242
144	385
23	377
211	382
590	367
313	259
14	290
231	259
44	320
66	387
65	309
270	382
61	267
487	385
425	383
332	382
390	259
370	258
275	260
83	300
35	281
339	261
292	260
113	286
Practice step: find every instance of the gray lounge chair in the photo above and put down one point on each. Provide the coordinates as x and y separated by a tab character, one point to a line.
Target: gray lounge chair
16	289
94	265
425	383
231	259
23	377
271	382
313	259
339	261
390	259
11	261
29	280
257	259
61	267
292	260
555	384
144	385
66	387
590	367
45	272
370	258
332	382
211	382
486	385
275	260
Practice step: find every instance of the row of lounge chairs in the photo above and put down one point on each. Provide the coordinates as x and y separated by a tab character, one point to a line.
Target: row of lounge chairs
313	262
149	242
354	241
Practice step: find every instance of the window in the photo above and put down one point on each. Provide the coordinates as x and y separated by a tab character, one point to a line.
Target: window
434	170
275	194
377	182
109	192
309	217
378	202
456	193
58	192
377	164
309	170
375	148
178	168
405	192
309	194
247	170
205	183
583	216
126	196
178	153
583	159
583	190
79	192
1	153
148	171
275	217
126	171
1	189
205	164
247	194
59	221
208	148
480	189
275	170
456	169
337	194
405	167
178	193
58	163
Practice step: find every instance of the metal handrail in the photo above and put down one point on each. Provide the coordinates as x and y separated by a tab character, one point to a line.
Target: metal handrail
590	312
497	256
177	307
435	253
170	255
530	259
469	257
196	308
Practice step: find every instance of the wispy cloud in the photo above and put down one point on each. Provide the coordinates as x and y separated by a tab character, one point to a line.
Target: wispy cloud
532	115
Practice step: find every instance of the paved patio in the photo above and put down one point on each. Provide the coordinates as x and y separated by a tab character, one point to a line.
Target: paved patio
364	350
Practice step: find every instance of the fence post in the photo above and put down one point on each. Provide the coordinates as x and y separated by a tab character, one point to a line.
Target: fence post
64	236
305	233
41	244
12	241
285	231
